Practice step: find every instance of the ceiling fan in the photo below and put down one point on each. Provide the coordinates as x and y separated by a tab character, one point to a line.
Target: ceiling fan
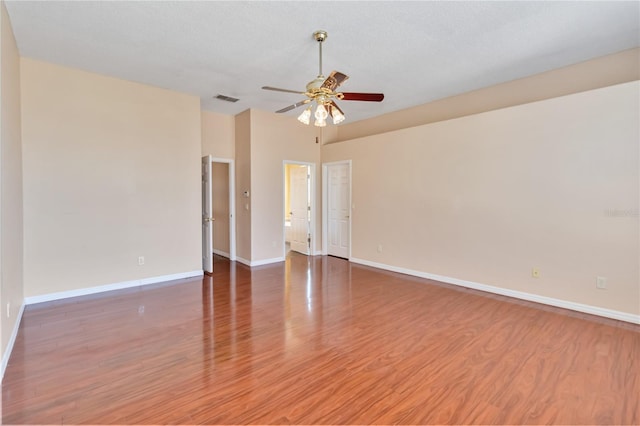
323	91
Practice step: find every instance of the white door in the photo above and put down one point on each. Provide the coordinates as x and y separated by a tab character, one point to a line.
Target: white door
300	208
207	219
338	209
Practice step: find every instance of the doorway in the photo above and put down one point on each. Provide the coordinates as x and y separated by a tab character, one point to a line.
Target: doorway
336	202
218	210
298	207
221	209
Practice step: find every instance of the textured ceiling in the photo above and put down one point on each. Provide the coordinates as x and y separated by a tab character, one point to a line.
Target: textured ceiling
414	52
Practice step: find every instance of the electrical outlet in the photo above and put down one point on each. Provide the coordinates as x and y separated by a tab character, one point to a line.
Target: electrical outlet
379	248
601	283
535	273
140	260
8	309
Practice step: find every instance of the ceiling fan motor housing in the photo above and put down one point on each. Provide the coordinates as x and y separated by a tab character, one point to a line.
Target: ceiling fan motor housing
315	84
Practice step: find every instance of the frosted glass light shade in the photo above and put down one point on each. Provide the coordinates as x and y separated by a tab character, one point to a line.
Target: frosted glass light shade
321	113
338	117
304	118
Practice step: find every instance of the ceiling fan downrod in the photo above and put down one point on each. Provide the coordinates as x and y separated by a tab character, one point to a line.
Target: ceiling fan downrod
320	36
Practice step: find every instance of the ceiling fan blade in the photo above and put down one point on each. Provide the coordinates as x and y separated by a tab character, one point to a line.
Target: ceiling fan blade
282	90
368	97
294	106
335	79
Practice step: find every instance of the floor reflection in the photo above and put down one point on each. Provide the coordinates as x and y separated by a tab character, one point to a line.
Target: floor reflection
222	303
300	293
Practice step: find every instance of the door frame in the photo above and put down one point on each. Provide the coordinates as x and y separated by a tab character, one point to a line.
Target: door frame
232	203
312	196
325	204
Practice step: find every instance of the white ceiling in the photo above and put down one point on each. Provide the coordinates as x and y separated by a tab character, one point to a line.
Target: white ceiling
414	52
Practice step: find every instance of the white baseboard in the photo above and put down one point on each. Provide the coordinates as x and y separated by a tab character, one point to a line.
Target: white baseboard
108	287
267	261
243	261
12	341
588	309
259	262
222	253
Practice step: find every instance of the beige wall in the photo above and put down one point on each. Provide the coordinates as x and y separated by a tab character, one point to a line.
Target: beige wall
11	223
243	183
605	71
111	172
274	139
552	184
218	140
218	135
220	197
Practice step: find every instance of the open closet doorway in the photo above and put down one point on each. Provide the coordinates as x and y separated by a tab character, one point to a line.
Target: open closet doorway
298	207
218	184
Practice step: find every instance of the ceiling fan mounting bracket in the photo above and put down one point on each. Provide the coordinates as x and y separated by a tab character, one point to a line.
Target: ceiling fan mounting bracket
320	36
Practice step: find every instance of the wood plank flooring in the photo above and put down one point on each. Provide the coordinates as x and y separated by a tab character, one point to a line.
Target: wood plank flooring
317	341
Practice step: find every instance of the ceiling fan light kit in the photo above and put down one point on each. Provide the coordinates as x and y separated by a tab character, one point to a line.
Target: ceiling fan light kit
322	91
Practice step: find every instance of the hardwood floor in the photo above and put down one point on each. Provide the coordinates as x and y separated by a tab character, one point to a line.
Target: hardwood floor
317	341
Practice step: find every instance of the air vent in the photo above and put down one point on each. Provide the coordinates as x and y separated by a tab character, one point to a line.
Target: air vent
226	98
